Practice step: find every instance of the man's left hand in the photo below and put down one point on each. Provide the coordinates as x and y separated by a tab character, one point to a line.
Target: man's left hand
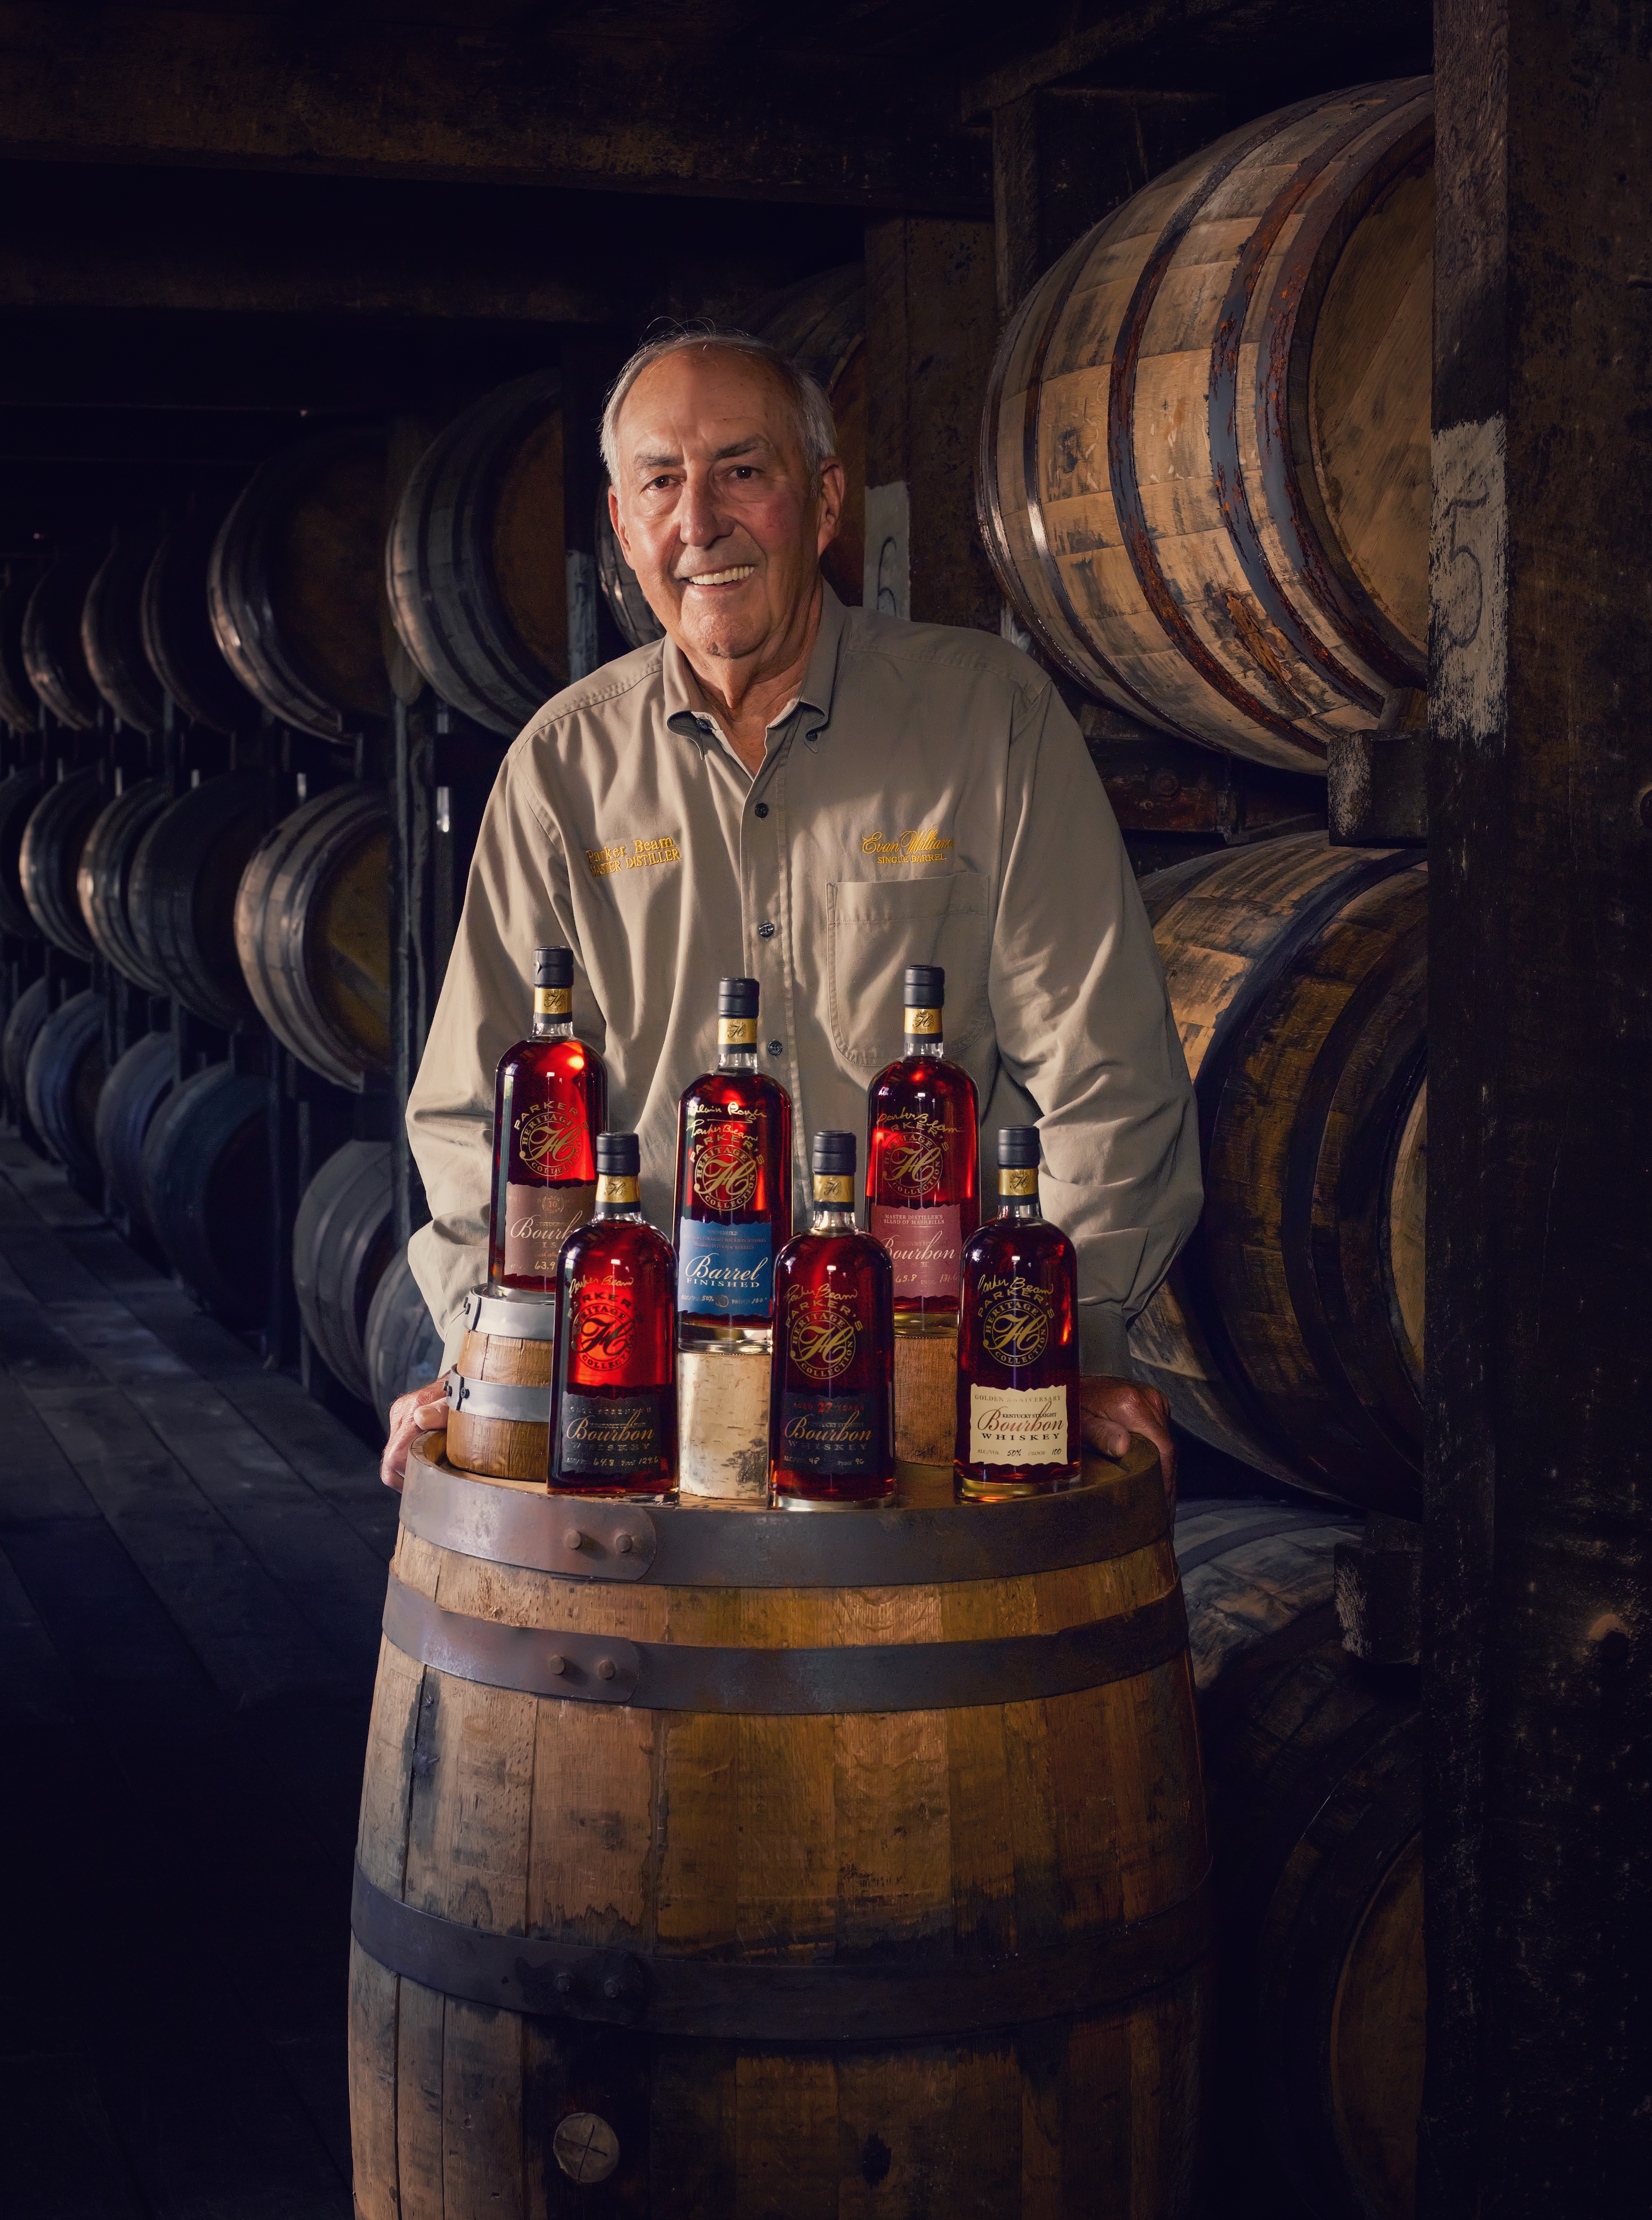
1111	1411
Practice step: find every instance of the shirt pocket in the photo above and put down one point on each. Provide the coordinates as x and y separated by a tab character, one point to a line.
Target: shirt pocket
877	929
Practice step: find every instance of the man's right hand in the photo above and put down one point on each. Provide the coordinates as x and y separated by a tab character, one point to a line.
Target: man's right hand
421	1410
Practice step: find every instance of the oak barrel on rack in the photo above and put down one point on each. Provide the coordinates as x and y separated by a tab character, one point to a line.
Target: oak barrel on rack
23	1022
476	564
1204	467
52	652
61	1082
20	706
181	900
103	883
112	635
313	933
20	793
342	1241
402	1343
138	1083
1290	1330
820	323
48	861
718	1861
205	1188
293	584
1311	1765
178	639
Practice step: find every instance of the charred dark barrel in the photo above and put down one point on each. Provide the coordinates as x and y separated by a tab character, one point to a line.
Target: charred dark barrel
61	1083
112	635
205	1185
48	862
28	1014
138	1083
342	1241
52	652
20	705
178	639
20	794
181	903
402	1341
104	882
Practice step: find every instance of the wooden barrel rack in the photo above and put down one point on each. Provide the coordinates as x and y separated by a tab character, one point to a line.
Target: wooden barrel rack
62	1080
882	1898
48	860
186	872
20	705
204	1188
178	639
20	793
341	1245
1204	465
138	1083
112	635
23	1022
53	653
103	882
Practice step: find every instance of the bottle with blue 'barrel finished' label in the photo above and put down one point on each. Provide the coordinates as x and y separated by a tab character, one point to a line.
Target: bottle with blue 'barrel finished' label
614	1409
832	1407
1018	1416
551	1101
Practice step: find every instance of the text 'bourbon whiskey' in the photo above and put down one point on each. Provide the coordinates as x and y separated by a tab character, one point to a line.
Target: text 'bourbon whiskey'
614	1408
733	1187
1018	1342
550	1102
831	1403
921	1163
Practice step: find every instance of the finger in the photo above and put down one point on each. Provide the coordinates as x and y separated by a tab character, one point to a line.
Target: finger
432	1417
1106	1434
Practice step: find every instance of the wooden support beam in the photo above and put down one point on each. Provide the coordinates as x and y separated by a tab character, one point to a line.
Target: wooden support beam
1536	1625
995	83
322	93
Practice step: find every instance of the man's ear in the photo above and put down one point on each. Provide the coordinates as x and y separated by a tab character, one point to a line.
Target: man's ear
619	528
830	499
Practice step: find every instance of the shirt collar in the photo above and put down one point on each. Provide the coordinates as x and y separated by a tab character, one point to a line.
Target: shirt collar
682	702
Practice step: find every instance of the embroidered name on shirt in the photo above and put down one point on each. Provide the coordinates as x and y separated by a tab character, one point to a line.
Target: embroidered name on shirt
925	847
632	855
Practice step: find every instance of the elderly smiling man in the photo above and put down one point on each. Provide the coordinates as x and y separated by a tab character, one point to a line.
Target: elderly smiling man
815	797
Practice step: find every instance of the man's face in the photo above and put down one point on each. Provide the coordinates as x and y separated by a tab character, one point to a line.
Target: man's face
713	506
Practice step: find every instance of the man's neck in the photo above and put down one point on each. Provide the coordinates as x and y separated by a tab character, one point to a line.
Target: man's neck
746	693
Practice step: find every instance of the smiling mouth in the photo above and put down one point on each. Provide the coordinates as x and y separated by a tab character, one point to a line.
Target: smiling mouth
720	578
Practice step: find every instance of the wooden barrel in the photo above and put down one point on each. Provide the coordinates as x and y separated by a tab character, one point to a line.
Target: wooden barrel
293	584
178	639
103	882
822	324
138	1083
204	1187
48	861
811	1866
61	1082
313	933
181	898
476	564
1204	469
111	634
23	1022
500	1389
20	705
53	656
1289	1332
342	1241
20	794
402	1342
1312	1763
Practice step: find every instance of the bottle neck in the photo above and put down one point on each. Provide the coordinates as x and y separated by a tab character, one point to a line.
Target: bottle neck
832	1218
735	1059
1018	1195
617	1202
1020	1205
924	1033
552	1029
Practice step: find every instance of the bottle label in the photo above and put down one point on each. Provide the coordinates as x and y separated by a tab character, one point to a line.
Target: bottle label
618	1190
596	1436
1018	1425
737	1032
922	1024
834	1437
553	1001
1016	1317
537	1220
726	1156
549	1136
602	1328
725	1271
911	1154
925	1246
822	1333
1019	1179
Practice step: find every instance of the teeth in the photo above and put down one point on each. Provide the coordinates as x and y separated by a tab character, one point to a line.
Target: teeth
720	578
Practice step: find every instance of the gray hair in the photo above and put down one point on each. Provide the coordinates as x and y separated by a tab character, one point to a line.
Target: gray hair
817	433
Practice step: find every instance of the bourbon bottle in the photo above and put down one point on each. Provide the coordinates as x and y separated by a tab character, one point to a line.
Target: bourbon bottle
831	1403
1018	1343
921	1163
613	1396
550	1102
734	1187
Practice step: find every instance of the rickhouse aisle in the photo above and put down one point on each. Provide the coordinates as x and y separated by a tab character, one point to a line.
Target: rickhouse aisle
192	1558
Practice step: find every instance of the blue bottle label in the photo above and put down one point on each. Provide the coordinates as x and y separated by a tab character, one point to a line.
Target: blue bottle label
724	1271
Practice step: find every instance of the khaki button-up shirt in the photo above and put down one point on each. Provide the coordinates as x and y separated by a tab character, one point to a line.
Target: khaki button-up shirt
927	799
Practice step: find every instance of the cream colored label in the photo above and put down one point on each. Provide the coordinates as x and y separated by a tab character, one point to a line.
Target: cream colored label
737	1032
553	1001
926	1024
832	1188
723	1426
1021	1180
1018	1425
617	1190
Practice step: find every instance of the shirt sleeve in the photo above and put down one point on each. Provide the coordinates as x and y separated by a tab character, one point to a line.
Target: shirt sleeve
1085	1027
516	899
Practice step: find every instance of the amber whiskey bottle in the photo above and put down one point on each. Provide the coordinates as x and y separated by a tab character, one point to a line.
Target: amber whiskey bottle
614	1397
734	1187
550	1102
1018	1343
921	1163
831	1403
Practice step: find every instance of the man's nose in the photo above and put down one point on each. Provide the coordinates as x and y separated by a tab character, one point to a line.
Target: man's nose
700	519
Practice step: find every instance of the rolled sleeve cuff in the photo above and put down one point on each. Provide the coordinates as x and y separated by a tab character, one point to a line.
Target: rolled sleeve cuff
1103	1341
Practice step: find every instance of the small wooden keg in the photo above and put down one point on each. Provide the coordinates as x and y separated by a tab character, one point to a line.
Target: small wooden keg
500	1391
716	1862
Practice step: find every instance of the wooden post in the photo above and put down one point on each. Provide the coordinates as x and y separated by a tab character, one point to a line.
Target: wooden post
1536	1635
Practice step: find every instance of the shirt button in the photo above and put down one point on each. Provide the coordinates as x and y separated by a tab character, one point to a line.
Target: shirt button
774	1047
761	809
765	932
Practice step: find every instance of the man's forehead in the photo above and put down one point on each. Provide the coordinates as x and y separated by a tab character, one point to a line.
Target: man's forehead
720	399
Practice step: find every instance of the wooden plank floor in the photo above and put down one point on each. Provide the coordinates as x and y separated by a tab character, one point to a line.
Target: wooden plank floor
193	1559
